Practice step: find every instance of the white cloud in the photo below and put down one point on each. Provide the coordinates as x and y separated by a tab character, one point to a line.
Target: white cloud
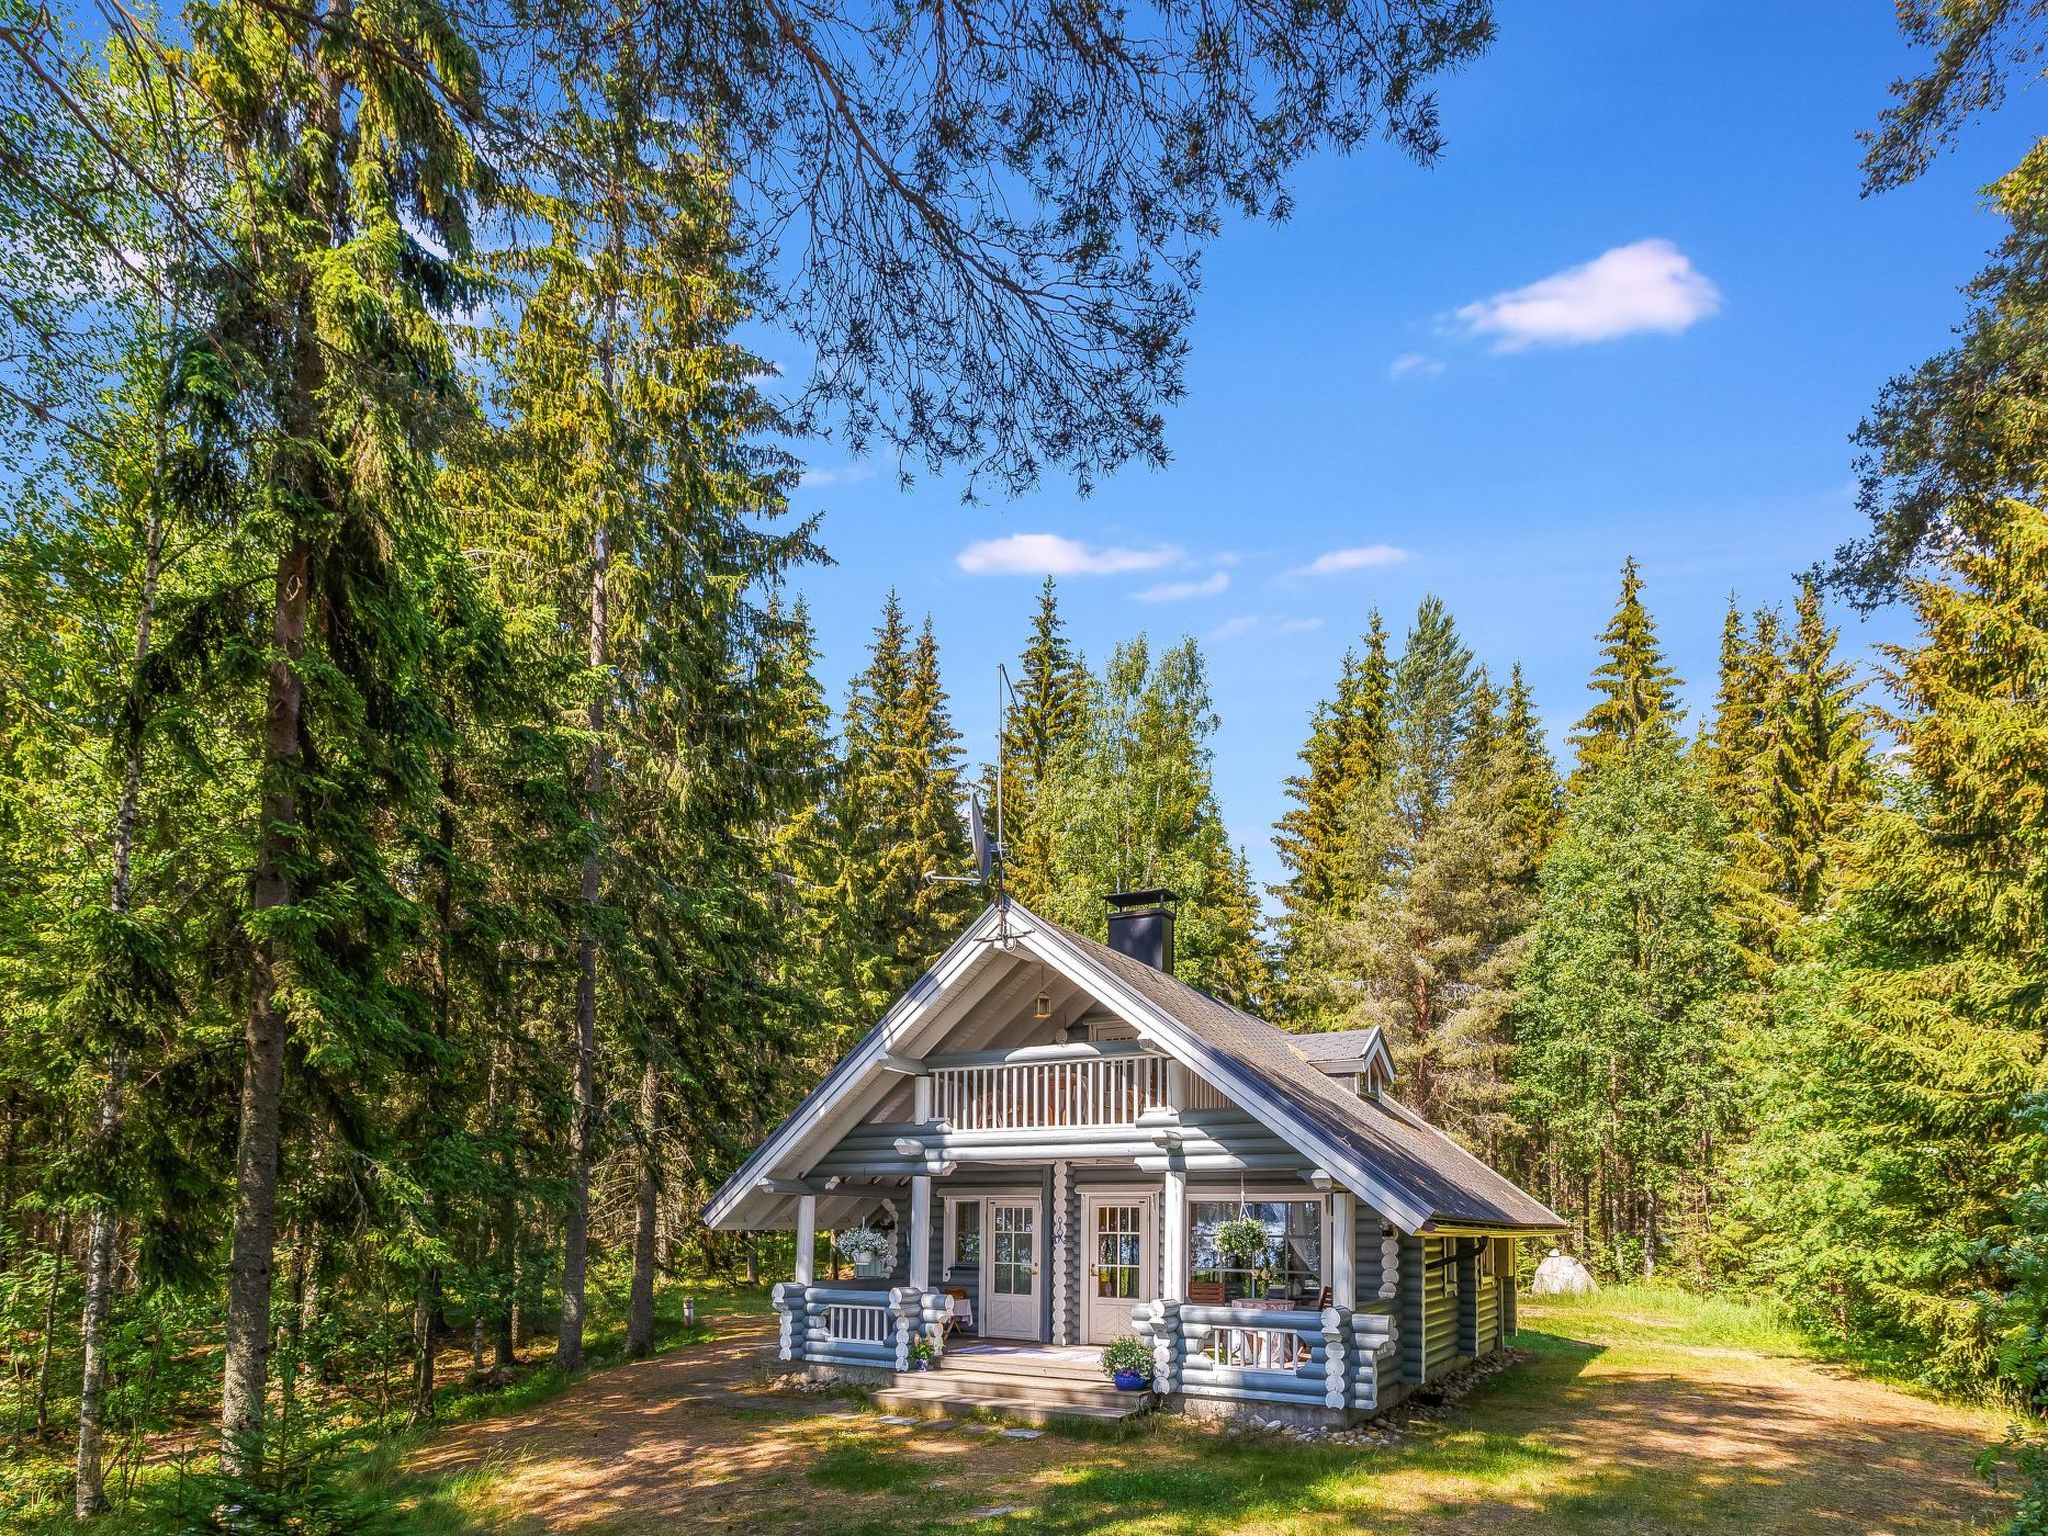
837	474
1230	629
1649	286
1299	626
1336	562
1050	554
1175	591
1415	365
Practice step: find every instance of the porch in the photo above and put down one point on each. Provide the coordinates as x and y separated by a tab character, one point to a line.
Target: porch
1015	1278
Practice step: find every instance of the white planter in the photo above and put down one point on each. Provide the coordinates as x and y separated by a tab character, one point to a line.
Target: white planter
871	1269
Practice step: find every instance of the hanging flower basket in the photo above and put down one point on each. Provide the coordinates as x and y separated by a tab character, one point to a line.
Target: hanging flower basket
867	1248
1243	1241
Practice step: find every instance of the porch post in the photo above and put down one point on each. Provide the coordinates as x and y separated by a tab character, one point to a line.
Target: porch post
921	1228
806	1236
1174	1233
1343	1250
921	1098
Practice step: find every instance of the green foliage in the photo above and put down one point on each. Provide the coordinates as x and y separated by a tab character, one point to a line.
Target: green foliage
1129	1353
1048	711
1132	806
1638	691
896	818
1622	1071
1439	853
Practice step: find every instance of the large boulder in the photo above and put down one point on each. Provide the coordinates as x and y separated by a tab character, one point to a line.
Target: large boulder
1561	1275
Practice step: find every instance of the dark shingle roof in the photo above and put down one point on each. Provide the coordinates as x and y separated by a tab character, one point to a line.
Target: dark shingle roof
1332	1044
1427	1166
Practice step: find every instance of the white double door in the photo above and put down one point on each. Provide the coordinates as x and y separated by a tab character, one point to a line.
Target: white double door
1120	1263
1010	1287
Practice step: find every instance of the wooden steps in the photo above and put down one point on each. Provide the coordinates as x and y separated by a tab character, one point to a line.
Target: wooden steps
1030	1386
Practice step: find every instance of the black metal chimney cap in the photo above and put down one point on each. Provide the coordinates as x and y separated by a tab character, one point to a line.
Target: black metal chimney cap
1125	901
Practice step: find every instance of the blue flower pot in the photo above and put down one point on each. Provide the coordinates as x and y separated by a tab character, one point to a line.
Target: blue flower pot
920	1365
1129	1381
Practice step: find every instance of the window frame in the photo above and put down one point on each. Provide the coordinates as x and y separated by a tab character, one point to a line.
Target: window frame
1263	1195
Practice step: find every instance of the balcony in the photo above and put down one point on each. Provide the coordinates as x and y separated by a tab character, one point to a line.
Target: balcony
1062	1091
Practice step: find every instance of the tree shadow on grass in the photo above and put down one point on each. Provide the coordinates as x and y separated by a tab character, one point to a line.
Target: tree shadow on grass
1550	1446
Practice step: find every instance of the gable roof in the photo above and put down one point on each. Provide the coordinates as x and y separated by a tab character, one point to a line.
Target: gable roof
1334	1044
1405	1168
1415	1166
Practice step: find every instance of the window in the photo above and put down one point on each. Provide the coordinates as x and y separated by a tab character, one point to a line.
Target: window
1293	1268
963	1234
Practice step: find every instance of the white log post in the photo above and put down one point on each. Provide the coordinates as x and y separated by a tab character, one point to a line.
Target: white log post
1174	1235
921	1098
1343	1250
1062	1236
806	1236
921	1231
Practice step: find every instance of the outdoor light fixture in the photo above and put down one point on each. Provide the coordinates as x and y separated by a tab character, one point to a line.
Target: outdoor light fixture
1041	1010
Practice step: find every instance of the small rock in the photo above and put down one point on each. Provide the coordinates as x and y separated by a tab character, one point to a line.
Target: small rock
1020	1434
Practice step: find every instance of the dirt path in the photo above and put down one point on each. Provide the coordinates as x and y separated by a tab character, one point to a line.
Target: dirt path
1617	1435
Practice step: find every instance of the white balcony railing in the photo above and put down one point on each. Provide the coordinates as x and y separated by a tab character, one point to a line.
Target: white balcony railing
1020	1095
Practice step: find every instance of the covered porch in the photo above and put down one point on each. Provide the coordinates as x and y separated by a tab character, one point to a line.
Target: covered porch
1021	1237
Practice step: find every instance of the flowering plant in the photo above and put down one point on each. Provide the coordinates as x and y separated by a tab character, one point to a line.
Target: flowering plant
1128	1354
862	1244
1243	1238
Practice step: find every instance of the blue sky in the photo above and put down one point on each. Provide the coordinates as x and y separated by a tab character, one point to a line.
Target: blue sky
1637	307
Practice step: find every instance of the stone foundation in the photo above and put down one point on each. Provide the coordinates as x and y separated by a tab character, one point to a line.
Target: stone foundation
1229	1412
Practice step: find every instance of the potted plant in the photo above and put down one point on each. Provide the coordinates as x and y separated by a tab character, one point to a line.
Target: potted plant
1128	1363
922	1355
1243	1241
865	1247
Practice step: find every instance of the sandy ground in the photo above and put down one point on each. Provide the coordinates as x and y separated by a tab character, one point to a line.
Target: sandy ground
1612	1437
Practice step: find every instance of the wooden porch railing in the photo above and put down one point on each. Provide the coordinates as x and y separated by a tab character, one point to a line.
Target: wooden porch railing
1092	1091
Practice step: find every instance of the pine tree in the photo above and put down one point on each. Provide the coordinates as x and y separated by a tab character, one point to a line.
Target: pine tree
1431	953
1049	708
1638	692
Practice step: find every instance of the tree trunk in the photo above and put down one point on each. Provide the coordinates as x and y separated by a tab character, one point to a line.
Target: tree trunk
640	1316
247	1367
90	1496
425	1304
50	1328
576	1240
753	1260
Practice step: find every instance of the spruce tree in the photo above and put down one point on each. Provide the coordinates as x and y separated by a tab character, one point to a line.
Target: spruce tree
1638	691
897	816
1879	1189
1818	778
1344	762
1048	709
1531	789
357	180
1136	805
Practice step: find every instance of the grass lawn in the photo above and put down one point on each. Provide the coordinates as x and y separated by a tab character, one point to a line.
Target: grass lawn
1637	1412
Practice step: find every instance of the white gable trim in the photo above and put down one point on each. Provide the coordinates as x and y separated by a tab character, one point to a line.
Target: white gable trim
1249	1089
857	1064
1016	927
